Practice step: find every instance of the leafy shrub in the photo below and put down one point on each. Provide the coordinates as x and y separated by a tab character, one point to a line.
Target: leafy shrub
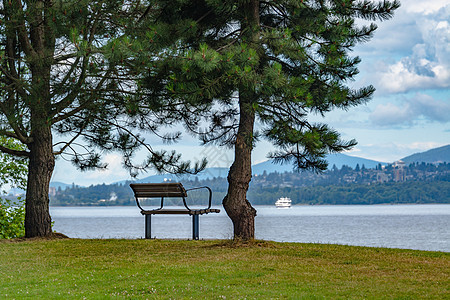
13	173
12	218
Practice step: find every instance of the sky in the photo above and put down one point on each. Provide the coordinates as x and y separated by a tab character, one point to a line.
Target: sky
408	62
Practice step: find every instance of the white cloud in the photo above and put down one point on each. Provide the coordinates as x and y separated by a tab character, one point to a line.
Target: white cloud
68	173
392	151
390	114
431	109
421	107
411	51
424	7
429	64
421	146
114	169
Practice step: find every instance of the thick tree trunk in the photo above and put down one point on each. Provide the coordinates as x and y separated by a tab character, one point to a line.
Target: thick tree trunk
40	50
40	169
41	160
238	208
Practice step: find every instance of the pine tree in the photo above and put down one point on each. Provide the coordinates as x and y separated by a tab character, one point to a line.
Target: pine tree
266	63
65	70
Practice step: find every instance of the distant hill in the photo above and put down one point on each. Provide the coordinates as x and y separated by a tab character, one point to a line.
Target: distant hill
57	184
338	159
441	154
16	192
206	174
419	183
436	155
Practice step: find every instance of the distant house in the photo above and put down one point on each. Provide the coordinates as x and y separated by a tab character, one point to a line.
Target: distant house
399	171
52	191
382	177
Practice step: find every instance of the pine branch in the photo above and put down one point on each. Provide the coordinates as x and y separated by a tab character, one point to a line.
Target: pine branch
19	24
14	152
69	143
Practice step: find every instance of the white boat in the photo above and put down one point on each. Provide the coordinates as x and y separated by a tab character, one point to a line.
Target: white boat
283	202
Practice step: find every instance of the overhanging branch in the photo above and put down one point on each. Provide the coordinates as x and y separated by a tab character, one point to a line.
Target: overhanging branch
14	152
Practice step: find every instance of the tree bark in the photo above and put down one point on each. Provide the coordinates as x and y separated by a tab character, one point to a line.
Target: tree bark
41	164
41	158
41	45
238	208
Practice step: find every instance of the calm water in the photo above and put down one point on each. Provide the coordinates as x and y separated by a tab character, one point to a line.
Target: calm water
423	227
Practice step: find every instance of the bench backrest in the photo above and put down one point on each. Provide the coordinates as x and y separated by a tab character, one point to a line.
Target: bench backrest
153	190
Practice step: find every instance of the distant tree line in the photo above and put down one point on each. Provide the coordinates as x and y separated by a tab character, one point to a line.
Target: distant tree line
419	192
102	194
421	183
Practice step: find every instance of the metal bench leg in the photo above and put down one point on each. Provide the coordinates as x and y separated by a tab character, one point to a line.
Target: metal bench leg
148	226
195	227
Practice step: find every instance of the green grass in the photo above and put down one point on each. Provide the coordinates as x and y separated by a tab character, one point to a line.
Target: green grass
162	269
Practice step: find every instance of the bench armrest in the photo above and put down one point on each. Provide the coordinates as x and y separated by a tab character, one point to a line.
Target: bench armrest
140	207
197	188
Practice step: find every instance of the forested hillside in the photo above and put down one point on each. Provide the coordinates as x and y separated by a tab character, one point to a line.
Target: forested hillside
381	193
396	183
436	155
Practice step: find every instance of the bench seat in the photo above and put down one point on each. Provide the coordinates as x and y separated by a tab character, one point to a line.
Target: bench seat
168	211
167	190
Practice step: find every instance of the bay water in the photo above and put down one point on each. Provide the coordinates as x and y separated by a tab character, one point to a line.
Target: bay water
421	227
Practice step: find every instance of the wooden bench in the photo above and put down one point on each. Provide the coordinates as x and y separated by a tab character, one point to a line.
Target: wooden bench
166	190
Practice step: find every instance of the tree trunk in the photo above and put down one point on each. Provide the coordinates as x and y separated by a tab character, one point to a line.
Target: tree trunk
40	169
238	208
41	160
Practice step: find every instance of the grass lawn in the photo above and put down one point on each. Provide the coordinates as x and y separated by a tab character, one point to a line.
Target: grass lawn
161	269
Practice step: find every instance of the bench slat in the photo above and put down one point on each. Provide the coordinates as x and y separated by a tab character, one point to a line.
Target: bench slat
154	190
169	189
180	211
